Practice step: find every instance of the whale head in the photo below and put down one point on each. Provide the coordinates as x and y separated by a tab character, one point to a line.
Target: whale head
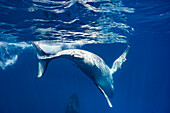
105	84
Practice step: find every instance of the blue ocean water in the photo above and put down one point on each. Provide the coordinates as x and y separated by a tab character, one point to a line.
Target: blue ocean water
103	27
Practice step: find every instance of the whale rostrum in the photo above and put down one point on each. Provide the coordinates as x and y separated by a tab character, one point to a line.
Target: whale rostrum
91	64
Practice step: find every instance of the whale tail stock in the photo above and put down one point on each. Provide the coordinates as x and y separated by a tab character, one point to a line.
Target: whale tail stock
43	62
118	62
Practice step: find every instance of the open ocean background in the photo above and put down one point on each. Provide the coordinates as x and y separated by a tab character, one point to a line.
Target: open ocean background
103	27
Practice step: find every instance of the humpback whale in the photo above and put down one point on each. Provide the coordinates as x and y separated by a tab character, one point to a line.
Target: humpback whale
91	64
73	104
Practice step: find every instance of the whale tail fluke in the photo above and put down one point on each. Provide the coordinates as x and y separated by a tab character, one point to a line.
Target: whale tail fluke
42	67
118	62
43	62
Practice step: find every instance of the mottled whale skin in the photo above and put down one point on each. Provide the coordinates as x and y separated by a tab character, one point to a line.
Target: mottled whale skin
91	64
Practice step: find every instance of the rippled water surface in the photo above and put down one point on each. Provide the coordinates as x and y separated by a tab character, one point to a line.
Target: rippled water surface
88	21
76	22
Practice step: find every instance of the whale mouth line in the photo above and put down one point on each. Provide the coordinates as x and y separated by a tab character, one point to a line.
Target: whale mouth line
107	98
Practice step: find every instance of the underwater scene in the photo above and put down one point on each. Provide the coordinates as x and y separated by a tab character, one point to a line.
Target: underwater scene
84	56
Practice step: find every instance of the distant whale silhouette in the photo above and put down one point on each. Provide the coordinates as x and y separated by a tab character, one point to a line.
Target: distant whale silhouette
91	64
73	104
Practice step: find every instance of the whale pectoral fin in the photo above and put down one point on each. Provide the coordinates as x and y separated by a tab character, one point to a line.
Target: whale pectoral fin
107	98
118	62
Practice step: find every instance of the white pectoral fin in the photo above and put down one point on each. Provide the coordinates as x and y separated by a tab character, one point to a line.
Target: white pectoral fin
107	98
118	62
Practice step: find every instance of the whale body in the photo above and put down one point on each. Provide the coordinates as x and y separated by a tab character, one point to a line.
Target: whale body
91	64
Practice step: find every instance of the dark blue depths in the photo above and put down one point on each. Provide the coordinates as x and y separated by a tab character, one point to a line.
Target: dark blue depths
141	85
